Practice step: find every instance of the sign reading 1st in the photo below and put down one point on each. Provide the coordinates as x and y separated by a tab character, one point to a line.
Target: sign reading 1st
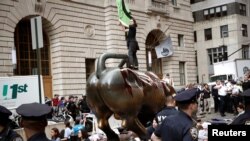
15	90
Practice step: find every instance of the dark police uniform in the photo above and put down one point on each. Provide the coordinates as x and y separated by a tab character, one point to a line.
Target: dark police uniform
35	112
165	112
244	119
7	134
179	127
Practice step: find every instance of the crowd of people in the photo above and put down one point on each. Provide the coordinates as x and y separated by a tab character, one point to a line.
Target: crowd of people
178	120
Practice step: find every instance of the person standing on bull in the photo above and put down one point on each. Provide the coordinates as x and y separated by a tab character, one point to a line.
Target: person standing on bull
132	44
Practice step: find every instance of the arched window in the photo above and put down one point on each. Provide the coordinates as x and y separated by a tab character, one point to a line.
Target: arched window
26	56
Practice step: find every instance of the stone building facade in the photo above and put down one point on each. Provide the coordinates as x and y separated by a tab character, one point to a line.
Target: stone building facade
77	32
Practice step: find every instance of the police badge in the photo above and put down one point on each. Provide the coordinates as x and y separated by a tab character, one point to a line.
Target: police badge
194	133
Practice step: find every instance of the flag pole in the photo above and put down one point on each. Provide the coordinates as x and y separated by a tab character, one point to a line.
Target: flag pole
162	34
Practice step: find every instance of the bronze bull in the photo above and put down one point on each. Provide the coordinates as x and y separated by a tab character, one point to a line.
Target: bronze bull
124	92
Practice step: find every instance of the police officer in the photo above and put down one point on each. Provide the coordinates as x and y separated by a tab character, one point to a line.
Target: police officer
244	119
6	133
181	126
168	110
34	121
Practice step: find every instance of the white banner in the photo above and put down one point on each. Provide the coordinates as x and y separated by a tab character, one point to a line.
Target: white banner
165	48
18	90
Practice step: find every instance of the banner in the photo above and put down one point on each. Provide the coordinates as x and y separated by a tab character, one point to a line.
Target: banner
18	90
123	13
165	48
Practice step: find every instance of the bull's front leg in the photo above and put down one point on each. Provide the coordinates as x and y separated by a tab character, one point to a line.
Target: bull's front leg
103	124
133	124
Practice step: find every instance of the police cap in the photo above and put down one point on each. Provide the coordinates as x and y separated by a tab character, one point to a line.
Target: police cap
34	111
187	96
4	113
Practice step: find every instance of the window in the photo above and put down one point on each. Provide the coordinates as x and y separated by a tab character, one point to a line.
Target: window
26	56
218	11
194	16
195	1
224	31
180	40
208	34
244	30
243	9
195	36
211	12
174	2
90	67
182	73
224	10
217	54
245	51
206	15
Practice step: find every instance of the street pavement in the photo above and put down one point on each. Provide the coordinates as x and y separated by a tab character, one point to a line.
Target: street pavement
210	116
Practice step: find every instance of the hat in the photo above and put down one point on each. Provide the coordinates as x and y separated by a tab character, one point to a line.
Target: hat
246	93
187	96
4	113
233	82
33	111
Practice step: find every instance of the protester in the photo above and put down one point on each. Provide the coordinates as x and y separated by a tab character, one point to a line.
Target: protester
244	119
132	44
34	120
240	110
6	133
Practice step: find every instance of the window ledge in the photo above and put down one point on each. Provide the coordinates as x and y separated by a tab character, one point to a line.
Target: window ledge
176	6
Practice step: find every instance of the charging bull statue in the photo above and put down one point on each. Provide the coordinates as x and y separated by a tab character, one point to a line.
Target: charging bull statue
124	92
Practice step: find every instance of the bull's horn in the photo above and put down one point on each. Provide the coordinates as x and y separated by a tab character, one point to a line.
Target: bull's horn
101	61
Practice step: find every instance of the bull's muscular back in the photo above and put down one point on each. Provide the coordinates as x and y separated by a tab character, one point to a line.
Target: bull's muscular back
125	91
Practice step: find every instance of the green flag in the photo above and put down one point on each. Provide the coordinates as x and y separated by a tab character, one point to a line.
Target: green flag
123	12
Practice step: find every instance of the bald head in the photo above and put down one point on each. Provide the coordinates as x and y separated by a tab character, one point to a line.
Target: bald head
170	101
